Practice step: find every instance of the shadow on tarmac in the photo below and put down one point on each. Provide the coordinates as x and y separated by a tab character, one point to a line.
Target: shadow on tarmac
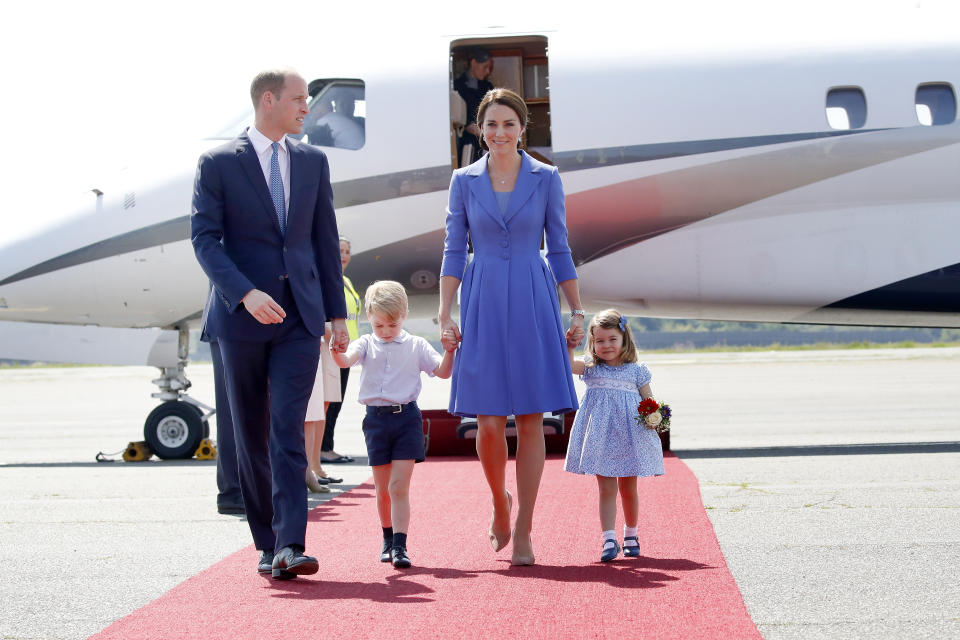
861	449
867	449
107	463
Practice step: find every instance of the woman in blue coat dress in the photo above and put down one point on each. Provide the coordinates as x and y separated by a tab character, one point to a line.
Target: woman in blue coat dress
513	355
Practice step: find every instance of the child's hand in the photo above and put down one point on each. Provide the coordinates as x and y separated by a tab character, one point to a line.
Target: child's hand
449	340
572	343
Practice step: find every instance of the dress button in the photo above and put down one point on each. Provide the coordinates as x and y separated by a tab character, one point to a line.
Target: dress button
504	243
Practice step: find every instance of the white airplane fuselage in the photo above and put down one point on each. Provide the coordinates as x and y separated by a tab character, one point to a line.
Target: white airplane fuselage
703	180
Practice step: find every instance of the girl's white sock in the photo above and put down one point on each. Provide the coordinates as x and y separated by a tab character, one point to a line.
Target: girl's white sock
627	532
610	535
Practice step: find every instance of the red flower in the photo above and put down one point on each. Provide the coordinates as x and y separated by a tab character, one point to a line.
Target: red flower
648	406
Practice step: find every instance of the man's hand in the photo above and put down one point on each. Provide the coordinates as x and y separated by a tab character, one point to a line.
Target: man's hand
341	338
262	307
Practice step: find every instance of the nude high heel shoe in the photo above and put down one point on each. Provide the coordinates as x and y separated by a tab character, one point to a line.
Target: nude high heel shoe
314	485
499	540
522	557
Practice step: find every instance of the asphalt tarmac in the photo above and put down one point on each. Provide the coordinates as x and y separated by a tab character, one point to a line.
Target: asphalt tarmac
831	479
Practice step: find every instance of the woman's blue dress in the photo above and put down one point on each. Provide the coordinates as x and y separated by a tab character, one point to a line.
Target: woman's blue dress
605	439
513	356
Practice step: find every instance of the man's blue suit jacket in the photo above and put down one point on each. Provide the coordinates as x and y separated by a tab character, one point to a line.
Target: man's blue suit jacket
237	239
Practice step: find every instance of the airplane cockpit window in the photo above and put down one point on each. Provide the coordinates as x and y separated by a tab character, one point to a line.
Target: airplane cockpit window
846	108
338	114
936	104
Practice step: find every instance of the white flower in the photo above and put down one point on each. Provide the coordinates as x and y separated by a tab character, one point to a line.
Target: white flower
653	419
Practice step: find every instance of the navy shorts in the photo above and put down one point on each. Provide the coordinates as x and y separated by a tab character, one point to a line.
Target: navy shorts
394	436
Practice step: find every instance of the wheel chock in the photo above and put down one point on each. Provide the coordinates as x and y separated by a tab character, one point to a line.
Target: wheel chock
137	452
206	451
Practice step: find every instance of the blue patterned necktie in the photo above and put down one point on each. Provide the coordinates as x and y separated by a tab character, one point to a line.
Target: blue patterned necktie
276	189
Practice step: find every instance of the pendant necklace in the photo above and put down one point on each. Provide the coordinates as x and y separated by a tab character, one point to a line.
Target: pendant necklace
494	177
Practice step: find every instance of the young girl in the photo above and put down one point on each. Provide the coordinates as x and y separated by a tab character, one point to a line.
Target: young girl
606	440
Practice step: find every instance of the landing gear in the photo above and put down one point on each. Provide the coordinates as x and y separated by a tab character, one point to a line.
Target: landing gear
174	429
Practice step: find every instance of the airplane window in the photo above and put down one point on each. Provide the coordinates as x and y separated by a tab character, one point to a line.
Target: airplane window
936	104
846	108
338	115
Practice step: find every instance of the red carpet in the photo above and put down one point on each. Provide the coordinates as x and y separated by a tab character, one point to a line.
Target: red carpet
679	588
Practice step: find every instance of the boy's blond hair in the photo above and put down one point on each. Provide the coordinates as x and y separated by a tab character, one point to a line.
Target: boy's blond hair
612	319
387	298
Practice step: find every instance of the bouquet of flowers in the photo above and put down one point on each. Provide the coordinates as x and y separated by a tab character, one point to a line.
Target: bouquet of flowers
654	415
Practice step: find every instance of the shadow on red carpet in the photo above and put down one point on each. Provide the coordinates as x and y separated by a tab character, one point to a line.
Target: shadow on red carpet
458	587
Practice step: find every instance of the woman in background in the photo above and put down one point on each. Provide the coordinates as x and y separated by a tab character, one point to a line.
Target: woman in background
353	299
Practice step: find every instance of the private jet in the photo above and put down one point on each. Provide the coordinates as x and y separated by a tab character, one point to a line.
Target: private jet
759	172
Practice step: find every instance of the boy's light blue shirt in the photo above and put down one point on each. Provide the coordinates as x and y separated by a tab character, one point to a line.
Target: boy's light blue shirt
391	370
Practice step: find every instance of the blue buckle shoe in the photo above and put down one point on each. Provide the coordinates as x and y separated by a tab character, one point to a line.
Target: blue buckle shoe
631	550
609	552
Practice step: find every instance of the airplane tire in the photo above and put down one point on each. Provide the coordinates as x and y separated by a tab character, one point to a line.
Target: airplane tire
173	430
206	423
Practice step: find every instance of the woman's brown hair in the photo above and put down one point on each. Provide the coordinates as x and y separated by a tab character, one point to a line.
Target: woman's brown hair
508	99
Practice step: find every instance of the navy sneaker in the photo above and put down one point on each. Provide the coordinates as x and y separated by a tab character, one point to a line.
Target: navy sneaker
399	557
385	549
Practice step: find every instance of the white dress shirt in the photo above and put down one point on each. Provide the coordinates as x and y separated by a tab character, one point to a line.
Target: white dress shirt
263	146
391	370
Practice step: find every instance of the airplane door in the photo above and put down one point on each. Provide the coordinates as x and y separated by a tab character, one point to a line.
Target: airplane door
518	63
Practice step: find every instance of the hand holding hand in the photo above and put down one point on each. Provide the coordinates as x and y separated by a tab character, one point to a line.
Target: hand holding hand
449	333
448	340
264	308
575	333
341	338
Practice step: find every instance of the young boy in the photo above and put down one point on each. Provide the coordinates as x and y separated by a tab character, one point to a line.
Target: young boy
392	360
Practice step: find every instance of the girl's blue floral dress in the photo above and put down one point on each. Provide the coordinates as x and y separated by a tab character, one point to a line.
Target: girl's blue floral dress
606	439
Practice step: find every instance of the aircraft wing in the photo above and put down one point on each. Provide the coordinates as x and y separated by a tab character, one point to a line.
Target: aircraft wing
88	344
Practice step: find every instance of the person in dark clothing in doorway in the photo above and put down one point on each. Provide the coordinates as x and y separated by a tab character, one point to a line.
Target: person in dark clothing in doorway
472	86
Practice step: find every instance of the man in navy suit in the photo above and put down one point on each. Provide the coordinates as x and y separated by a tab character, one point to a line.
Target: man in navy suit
229	498
264	231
